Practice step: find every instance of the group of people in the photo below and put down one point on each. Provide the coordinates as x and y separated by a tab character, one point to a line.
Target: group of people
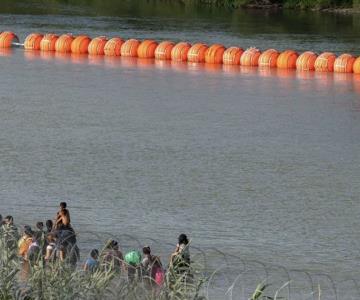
56	241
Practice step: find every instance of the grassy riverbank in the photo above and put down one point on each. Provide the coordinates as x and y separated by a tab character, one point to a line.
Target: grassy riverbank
59	280
335	5
118	7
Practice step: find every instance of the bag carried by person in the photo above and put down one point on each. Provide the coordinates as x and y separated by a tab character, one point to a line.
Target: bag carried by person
133	258
159	275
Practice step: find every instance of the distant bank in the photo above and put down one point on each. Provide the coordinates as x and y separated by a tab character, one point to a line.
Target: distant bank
340	6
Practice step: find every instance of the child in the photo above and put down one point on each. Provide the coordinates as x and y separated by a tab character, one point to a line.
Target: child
92	263
49	226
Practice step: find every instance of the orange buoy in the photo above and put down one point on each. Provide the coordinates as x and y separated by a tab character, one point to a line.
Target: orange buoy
48	42
197	52
250	57
232	56
163	50
97	45
80	44
268	58
63	43
113	47
180	51
214	54
306	61
344	63
129	48
147	49
287	59
32	41
356	66
7	38
325	62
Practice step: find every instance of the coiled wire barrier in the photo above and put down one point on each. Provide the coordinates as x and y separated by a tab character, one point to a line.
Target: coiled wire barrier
234	277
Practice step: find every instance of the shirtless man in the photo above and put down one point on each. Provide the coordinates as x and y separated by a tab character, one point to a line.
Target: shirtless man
66	234
62	220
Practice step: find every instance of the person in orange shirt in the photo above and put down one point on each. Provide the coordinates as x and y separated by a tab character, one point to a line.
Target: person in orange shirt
25	242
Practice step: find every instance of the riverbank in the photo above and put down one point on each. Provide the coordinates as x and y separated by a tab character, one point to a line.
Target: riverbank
335	6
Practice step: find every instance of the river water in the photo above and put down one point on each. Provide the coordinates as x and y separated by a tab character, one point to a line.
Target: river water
263	165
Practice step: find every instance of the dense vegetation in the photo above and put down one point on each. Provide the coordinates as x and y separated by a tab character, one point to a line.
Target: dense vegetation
60	280
35	279
302	4
136	6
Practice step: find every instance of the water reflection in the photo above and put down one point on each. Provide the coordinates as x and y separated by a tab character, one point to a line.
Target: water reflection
128	62
286	73
145	63
266	72
179	66
305	75
163	64
79	58
63	57
321	81
231	69
213	68
47	55
248	71
112	62
6	52
356	87
31	55
96	60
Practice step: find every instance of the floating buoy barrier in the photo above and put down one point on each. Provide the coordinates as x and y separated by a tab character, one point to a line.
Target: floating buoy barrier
97	45
232	56
356	66
344	63
33	41
199	53
325	62
7	39
250	57
268	58
113	47
180	51
306	61
214	54
48	42
129	48
63	43
163	50
147	49
80	44
287	60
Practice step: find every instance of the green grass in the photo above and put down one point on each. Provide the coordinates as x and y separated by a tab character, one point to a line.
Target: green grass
60	280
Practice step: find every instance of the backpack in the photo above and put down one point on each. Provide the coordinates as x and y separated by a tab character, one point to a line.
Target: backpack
133	258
